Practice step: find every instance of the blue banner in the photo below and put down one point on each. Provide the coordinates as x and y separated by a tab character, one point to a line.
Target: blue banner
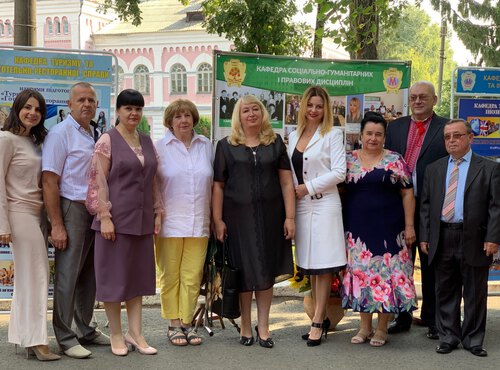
484	117
486	81
56	66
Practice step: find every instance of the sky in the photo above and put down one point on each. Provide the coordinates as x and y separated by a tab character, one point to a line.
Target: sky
460	54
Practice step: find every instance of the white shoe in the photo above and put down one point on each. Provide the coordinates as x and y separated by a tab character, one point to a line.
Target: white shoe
77	351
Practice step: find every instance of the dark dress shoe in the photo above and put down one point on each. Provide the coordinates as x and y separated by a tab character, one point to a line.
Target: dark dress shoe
478	351
246	341
398	327
445	348
432	333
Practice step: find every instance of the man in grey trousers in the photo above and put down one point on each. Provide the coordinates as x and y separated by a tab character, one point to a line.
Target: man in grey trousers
67	153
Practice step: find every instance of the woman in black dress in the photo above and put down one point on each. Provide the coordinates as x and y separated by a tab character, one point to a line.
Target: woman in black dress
253	205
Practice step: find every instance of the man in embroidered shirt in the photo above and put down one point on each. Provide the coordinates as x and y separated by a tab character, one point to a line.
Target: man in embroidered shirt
419	138
66	159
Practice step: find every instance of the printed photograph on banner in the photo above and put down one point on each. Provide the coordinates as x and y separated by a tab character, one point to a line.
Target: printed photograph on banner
390	105
102	120
6	272
292	103
495	268
354	108
338	110
227	97
352	141
4	113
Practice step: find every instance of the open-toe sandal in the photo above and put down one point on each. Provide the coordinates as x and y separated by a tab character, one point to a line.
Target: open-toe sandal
192	336
379	339
176	336
362	336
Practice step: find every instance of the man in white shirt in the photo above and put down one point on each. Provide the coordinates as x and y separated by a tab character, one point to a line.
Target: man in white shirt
67	153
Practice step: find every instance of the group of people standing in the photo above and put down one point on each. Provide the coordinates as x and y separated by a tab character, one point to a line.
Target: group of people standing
119	204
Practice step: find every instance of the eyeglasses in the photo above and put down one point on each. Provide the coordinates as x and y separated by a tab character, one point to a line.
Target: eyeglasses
455	136
419	97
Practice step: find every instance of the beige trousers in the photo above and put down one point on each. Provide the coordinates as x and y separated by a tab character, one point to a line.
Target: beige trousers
28	317
180	263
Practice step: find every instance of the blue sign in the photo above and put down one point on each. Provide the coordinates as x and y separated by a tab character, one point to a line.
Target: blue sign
478	81
484	117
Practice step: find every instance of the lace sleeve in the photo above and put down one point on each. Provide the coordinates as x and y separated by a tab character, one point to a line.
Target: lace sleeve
97	201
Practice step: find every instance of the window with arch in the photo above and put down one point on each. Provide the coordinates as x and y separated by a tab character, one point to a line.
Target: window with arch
57	26
2	31
50	26
204	77
8	26
141	79
120	72
65	25
178	79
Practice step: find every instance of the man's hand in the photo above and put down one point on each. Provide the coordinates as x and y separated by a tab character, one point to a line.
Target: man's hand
59	237
490	248
424	246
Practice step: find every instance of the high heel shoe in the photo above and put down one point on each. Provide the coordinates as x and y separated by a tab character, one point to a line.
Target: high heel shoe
316	342
42	353
266	343
129	341
246	341
326	324
119	351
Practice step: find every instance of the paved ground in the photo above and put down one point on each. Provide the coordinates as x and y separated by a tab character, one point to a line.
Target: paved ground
411	350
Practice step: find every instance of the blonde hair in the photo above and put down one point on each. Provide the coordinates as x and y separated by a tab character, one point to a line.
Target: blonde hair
266	135
179	106
327	123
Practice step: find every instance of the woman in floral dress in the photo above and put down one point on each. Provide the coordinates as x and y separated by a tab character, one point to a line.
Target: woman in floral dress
378	220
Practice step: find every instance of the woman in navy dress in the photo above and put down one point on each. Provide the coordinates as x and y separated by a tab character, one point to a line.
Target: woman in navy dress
378	220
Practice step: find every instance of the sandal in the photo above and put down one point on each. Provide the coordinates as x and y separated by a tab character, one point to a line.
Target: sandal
176	336
379	339
192	336
362	336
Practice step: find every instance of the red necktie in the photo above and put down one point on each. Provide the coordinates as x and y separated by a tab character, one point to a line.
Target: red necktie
420	127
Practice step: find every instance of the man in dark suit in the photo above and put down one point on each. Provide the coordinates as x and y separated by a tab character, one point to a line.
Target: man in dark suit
459	229
419	138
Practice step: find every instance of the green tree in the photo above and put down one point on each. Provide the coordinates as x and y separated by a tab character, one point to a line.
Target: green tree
477	24
354	24
126	9
257	26
416	39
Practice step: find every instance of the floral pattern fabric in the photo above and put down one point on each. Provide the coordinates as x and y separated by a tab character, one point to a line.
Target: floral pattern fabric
379	275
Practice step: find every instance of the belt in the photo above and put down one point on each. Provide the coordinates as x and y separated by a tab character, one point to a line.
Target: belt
452	225
316	196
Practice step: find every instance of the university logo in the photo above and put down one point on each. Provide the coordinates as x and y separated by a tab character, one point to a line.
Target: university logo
393	78
234	72
468	80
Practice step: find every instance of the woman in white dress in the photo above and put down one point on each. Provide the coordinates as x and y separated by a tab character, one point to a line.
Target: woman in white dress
318	159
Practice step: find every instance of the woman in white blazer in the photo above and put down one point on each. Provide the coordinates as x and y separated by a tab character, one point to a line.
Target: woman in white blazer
317	154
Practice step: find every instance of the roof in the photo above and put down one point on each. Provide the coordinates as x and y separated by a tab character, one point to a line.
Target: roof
158	16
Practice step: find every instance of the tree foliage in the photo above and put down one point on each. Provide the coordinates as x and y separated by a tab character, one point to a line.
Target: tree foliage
126	9
257	26
354	24
415	38
477	24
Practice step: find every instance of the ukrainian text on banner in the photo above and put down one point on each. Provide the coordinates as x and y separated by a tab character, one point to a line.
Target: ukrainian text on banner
484	118
355	87
478	81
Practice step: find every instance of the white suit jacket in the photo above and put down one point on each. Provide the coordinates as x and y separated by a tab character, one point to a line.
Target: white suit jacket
324	161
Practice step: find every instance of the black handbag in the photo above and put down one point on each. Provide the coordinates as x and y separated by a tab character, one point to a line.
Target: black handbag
225	300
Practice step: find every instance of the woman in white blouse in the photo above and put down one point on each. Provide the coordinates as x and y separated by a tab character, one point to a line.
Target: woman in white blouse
185	171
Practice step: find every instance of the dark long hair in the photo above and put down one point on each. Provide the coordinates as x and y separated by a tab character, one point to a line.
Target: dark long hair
129	97
14	124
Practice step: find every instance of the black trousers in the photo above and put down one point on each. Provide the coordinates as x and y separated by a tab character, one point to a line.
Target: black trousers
456	279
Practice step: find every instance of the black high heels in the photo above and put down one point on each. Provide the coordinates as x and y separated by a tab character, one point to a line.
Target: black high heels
266	343
326	324
246	341
316	342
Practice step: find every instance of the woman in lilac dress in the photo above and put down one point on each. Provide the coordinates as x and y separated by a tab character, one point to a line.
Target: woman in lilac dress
123	196
378	220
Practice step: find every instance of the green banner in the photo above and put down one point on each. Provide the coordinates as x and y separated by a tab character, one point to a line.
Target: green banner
293	76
